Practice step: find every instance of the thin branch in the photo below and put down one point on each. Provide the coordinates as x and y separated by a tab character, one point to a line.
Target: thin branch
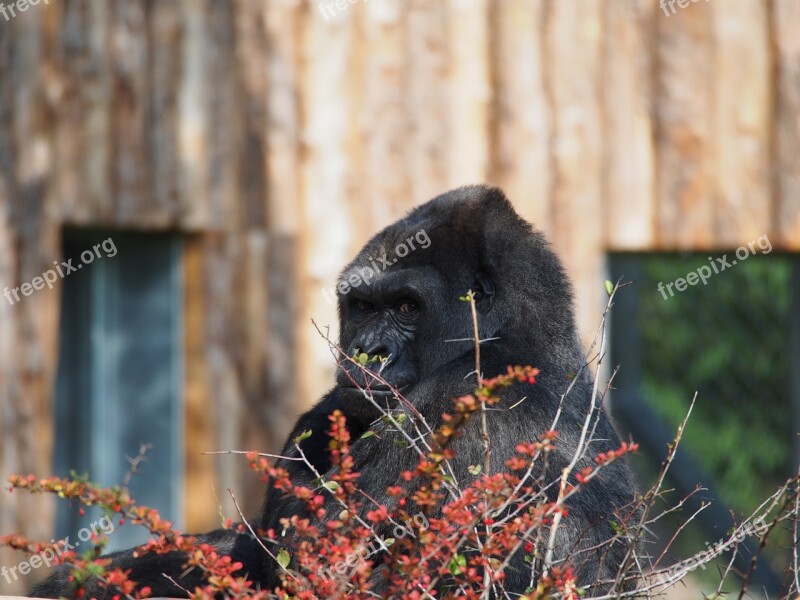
257	537
135	462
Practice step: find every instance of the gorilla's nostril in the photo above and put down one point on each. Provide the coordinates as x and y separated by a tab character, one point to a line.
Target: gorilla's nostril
375	350
378	352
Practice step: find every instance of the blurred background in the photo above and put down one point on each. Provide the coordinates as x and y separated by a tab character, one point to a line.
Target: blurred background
239	152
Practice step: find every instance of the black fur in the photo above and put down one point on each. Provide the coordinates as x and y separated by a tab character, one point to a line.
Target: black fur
477	242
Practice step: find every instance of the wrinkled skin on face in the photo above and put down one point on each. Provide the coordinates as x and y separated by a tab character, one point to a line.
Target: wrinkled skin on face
401	316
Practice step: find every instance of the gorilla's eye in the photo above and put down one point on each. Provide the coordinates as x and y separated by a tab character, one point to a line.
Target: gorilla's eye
363	305
407	307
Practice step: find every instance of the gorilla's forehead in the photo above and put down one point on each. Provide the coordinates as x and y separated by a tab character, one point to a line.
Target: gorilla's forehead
374	279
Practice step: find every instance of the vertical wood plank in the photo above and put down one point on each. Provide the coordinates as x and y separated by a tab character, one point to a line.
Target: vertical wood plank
327	173
165	36
521	112
226	117
470	91
36	316
684	142
251	80
574	42
194	119
786	24
742	113
11	505
629	217
250	98
383	114
426	97
283	22
83	138
128	52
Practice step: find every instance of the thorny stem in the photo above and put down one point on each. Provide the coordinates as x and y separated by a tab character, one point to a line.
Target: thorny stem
341	502
581	442
761	543
487	444
479	376
257	537
651	496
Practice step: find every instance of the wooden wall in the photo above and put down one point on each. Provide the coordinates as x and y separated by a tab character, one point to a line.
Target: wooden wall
278	138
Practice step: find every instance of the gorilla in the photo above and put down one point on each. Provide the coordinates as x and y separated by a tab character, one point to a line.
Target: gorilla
410	314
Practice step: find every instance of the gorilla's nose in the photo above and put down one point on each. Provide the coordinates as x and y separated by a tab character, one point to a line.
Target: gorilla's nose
378	349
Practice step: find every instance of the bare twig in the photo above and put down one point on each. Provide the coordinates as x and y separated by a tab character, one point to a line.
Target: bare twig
257	537
135	462
652	494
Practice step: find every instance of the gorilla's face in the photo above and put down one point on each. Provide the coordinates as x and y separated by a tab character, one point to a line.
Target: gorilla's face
386	319
409	311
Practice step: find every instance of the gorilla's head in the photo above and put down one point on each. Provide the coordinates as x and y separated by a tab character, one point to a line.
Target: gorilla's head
399	300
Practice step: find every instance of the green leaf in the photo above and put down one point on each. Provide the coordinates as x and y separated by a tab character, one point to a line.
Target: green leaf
367	434
389	541
303	436
609	287
93	568
458	564
331	486
362	358
398	418
283	558
475	469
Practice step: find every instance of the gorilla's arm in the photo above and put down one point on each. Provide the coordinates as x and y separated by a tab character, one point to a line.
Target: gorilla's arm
153	569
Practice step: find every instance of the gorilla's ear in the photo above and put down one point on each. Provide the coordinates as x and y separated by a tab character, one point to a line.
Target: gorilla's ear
484	292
